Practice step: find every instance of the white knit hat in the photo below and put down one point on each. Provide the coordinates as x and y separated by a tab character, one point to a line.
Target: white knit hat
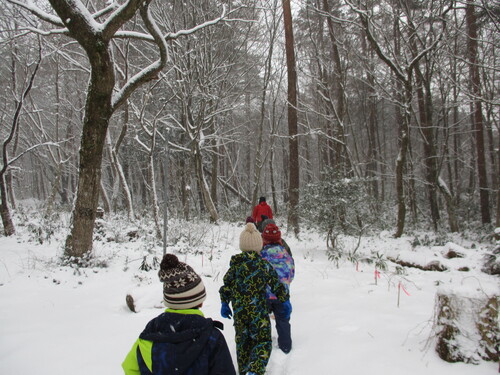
250	238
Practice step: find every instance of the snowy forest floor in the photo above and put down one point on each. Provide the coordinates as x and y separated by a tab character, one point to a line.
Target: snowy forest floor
57	319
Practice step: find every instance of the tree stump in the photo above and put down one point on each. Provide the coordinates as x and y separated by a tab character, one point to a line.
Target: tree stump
466	325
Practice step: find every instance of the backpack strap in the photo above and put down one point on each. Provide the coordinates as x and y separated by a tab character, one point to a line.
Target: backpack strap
218	324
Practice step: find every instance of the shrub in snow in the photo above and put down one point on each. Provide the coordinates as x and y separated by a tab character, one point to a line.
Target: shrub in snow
491	263
466	325
87	261
430	239
149	262
187	234
336	205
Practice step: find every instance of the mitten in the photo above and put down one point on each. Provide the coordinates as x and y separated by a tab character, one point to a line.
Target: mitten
225	311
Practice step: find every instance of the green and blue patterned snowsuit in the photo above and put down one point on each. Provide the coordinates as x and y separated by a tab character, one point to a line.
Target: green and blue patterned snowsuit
245	287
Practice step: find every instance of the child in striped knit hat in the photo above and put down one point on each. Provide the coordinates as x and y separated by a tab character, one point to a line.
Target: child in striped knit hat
181	340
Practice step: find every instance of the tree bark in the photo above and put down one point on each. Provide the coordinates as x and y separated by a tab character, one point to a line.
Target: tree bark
8	224
293	142
477	115
206	199
430	161
98	111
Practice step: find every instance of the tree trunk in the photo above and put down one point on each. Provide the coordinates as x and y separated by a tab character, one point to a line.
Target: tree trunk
475	82
372	124
8	224
214	174
430	161
293	142
105	199
206	199
342	160
98	111
154	195
401	161
450	206
183	189
117	166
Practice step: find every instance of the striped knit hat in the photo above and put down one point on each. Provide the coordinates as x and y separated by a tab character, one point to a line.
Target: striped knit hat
182	287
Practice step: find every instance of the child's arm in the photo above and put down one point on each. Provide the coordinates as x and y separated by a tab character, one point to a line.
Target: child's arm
225	290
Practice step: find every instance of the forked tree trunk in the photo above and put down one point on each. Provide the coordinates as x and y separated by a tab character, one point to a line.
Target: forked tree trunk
95	124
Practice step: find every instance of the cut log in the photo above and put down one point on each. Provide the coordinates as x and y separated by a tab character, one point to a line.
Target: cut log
466	326
434	265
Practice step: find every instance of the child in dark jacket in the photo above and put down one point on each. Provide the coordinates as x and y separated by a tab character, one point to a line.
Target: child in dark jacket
181	340
281	260
245	288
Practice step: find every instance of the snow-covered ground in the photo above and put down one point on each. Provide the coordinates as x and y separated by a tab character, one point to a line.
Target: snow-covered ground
62	320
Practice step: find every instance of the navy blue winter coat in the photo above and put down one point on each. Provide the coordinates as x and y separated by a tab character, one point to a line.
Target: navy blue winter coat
183	344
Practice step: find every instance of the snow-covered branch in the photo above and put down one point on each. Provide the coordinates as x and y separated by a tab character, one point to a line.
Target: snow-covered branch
149	72
179	33
32	8
28	150
121	15
17	114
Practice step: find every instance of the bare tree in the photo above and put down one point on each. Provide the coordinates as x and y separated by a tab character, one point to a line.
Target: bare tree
404	74
8	224
94	32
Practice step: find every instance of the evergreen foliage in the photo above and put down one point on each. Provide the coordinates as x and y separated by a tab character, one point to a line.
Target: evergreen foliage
337	205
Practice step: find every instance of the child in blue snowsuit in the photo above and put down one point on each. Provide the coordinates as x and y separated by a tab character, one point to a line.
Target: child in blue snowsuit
245	288
281	260
181	340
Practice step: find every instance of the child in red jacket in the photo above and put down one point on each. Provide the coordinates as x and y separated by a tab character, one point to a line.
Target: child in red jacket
261	209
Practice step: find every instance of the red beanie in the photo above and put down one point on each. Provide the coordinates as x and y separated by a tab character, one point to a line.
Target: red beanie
271	234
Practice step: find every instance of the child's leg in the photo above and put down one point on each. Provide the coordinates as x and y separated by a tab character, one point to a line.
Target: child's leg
261	345
282	326
243	348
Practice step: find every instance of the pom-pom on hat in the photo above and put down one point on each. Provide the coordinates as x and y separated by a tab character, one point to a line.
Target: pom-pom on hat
250	239
250	220
182	286
271	233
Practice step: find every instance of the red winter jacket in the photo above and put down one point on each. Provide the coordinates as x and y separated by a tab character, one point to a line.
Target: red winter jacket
262	209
